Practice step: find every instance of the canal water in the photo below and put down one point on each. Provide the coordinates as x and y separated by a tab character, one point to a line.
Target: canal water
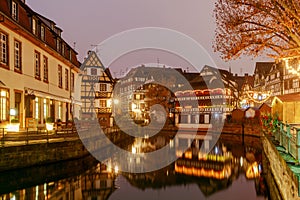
232	170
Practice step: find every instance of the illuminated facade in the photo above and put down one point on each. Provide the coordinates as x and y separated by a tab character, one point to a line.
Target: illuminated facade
216	94
96	90
38	68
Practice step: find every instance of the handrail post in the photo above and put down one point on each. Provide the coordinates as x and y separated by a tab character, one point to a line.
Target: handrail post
282	133
288	133
27	137
3	139
298	144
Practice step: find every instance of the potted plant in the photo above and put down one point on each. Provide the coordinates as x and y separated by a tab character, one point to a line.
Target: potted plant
14	125
49	123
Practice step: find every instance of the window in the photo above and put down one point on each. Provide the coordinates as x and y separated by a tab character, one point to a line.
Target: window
45	67
59	110
67	79
295	83
72	82
18	60
59	76
4	100
93	71
58	45
102	87
14	10
43	33
37	65
34	26
63	49
102	103
46	109
4	49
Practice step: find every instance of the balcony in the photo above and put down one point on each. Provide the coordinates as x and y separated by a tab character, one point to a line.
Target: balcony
103	110
102	94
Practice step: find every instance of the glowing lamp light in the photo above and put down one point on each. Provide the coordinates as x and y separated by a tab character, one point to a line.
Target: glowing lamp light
3	93
116	169
12	112
49	126
116	101
13	127
133	150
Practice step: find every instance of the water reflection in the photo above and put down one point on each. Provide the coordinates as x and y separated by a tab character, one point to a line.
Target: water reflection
214	171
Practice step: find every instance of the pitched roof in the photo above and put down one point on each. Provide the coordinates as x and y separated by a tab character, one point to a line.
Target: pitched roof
289	97
92	61
263	68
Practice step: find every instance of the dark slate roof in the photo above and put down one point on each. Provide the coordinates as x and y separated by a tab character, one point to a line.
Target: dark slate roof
263	68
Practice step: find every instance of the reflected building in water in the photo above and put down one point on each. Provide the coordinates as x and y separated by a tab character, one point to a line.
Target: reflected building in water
211	171
96	183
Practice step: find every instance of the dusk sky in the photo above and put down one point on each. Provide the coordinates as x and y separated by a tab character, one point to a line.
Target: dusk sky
90	22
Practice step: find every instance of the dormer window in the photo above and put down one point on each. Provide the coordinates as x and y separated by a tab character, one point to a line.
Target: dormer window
34	26
58	45
43	33
14	10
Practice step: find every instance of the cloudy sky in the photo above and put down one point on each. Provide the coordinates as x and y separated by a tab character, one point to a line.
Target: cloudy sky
88	23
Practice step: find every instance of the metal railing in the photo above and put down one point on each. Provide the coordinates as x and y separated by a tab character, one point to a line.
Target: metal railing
288	136
34	136
40	135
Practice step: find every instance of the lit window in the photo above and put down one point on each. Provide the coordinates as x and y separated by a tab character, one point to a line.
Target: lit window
34	26
102	103
4	100
37	108
59	110
45	66
37	65
103	87
3	49
14	10
18	60
46	110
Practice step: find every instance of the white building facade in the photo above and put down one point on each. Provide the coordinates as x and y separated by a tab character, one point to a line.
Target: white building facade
38	68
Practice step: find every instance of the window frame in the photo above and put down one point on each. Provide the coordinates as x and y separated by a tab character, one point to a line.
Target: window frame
45	69
72	81
34	26
59	76
18	68
14	10
66	79
43	31
37	65
6	63
6	99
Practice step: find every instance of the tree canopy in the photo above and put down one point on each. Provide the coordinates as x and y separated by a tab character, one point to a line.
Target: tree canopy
253	27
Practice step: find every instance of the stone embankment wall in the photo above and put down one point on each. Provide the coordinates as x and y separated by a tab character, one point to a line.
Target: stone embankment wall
282	183
39	154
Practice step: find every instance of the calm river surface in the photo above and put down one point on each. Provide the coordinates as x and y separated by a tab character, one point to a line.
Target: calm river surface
230	171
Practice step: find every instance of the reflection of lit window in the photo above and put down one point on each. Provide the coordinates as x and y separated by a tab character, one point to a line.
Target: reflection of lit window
3	104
